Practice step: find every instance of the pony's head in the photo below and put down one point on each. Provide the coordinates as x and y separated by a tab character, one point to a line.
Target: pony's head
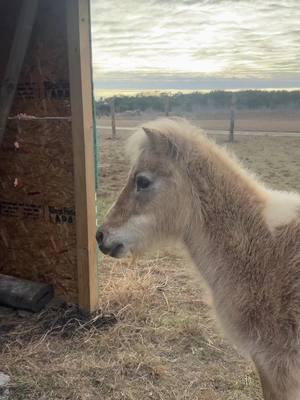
155	204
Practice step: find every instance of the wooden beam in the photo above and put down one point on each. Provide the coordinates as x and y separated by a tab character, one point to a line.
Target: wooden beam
79	44
15	61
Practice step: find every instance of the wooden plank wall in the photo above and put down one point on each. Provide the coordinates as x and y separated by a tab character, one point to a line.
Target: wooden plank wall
37	195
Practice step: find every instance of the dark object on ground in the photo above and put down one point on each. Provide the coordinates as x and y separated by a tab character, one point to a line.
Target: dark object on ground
68	320
59	319
24	294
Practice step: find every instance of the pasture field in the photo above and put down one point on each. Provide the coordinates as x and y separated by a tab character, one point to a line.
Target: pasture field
163	344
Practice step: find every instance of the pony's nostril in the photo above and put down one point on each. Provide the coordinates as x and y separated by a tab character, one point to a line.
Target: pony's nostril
99	237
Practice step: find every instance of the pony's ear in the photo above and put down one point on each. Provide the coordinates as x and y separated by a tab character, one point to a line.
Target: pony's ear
161	143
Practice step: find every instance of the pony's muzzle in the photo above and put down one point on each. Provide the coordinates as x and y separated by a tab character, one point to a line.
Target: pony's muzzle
113	249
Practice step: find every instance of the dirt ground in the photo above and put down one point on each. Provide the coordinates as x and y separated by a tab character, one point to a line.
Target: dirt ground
162	344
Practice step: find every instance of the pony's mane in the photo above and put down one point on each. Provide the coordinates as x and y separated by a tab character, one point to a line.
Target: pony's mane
176	129
191	142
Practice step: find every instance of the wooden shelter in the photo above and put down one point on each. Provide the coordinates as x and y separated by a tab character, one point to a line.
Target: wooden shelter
47	155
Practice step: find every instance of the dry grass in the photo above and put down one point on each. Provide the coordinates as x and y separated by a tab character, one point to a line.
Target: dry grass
164	344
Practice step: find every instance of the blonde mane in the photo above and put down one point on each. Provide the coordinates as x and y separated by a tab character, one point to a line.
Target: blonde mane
279	206
192	142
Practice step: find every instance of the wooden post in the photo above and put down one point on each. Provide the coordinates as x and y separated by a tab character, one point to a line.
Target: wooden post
15	60
79	45
167	106
232	115
113	118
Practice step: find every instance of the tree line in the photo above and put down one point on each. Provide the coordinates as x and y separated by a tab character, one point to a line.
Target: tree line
197	101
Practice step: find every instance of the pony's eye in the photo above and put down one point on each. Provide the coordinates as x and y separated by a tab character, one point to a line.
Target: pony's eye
142	183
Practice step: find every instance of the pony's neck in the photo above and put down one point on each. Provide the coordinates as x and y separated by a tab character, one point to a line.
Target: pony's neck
226	222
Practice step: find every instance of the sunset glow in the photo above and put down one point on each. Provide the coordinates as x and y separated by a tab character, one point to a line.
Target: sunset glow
186	44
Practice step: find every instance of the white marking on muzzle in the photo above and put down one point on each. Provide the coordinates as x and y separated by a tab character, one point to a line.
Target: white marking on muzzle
133	234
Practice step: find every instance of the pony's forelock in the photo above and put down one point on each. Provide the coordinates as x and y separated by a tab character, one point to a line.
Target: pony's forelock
135	145
174	129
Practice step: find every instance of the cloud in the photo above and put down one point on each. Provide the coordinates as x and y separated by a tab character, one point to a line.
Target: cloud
200	39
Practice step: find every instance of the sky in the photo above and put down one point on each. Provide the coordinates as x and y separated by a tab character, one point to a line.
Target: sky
195	44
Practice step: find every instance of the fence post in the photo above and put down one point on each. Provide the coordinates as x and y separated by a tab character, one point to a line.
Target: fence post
113	118
167	105
232	115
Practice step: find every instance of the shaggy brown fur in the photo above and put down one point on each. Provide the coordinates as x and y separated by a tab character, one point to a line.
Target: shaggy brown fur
201	196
